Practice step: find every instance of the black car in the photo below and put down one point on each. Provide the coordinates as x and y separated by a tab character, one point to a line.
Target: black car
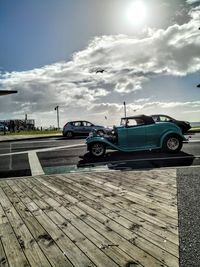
184	125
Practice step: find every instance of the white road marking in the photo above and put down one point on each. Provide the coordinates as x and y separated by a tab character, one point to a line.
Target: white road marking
35	166
42	150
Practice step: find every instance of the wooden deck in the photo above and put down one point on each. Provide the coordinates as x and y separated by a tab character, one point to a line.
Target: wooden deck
90	219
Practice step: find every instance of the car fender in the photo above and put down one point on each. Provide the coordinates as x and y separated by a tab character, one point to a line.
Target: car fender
171	132
89	141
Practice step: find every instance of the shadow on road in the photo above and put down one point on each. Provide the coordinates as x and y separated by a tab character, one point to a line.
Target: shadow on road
137	160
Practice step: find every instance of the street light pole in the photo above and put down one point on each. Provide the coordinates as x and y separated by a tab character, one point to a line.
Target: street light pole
124	109
57	108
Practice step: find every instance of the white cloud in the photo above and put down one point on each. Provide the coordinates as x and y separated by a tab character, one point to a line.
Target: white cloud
193	1
128	61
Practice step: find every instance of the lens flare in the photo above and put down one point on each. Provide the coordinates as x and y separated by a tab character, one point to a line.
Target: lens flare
137	13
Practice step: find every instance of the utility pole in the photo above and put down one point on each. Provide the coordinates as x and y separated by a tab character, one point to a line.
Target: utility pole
124	109
57	108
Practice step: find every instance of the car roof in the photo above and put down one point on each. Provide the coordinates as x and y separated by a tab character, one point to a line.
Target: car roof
80	121
161	115
147	119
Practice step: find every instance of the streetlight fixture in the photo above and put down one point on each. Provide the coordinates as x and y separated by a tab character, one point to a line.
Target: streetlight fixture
57	108
198	85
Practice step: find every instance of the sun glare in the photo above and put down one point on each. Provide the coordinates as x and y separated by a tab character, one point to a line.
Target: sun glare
136	13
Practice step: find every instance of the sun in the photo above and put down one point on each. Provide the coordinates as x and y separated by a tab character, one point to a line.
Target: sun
136	13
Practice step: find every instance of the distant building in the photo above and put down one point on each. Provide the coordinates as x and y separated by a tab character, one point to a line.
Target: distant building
19	125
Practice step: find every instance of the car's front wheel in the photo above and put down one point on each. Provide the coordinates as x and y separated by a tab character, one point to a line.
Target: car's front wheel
172	144
97	149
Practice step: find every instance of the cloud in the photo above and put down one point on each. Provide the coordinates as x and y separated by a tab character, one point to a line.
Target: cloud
129	62
114	110
193	1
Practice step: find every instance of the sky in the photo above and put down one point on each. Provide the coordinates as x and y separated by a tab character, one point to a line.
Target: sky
89	56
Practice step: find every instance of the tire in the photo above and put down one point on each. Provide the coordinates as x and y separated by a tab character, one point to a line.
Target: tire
172	144
97	149
69	134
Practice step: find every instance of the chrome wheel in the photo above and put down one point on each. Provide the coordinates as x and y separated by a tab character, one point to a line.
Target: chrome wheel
97	149
173	143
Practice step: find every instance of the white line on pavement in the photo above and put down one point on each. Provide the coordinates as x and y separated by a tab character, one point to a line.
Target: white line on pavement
42	150
35	166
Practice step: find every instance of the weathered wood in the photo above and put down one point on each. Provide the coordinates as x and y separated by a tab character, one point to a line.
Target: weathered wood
143	198
44	241
113	198
3	258
149	202
97	256
93	219
169	257
12	251
28	244
134	219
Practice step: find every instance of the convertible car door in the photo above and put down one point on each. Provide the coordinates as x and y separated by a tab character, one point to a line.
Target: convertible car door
153	135
136	137
132	136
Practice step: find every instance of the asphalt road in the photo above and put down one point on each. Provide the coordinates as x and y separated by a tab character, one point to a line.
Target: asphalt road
59	155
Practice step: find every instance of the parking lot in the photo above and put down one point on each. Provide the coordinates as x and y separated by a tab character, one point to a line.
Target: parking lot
59	155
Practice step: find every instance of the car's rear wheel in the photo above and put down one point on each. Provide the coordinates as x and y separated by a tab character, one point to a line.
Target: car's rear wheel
97	149
172	144
69	134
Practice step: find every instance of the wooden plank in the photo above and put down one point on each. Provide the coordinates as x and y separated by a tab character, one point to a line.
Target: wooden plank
114	199
169	235
12	247
143	186
29	246
135	205
76	256
144	244
141	196
3	258
87	246
56	190
97	239
83	235
89	231
42	238
11	250
151	203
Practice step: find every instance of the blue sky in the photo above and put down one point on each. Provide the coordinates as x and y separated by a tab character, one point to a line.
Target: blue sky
50	51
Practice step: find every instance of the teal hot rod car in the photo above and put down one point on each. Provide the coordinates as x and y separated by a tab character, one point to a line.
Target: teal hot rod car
137	133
